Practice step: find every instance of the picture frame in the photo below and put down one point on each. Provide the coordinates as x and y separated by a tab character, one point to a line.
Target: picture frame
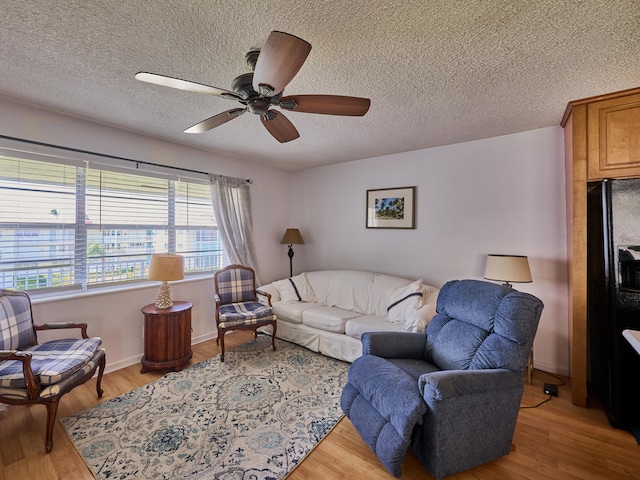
391	208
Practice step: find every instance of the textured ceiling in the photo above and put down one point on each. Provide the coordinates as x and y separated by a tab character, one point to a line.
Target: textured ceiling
437	72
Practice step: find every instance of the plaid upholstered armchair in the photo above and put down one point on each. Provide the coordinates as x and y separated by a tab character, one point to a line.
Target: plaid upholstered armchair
237	304
33	373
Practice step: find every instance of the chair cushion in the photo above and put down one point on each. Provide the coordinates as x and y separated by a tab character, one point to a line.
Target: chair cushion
51	362
246	313
56	388
236	285
16	328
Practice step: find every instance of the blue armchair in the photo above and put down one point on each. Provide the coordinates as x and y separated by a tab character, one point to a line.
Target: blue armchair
452	395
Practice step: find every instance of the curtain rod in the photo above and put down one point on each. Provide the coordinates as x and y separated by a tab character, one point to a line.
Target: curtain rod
104	155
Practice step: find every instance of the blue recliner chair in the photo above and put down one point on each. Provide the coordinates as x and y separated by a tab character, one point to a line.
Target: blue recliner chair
452	395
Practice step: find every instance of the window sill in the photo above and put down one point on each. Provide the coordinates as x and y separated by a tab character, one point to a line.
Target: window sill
60	296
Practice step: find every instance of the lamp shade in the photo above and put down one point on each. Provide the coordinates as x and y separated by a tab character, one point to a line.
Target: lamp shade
292	237
166	267
508	268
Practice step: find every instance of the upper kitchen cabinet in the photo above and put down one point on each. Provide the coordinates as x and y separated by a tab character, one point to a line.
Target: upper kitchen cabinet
613	137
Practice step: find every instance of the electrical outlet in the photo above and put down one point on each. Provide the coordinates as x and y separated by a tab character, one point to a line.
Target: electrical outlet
550	389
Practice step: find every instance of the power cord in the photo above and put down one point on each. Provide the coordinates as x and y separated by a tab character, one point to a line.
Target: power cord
538	404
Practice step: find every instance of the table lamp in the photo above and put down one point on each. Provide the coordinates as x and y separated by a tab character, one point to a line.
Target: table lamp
165	267
508	268
291	237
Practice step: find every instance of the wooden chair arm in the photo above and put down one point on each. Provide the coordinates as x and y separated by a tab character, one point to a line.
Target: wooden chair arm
265	294
33	385
63	325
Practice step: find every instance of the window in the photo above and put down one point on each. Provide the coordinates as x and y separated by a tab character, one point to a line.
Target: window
72	223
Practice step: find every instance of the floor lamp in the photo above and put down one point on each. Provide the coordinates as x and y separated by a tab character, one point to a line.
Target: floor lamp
291	237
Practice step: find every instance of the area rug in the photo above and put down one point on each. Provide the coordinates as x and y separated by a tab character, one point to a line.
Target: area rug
255	416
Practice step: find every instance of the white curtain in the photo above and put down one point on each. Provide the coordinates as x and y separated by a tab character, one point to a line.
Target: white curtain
231	200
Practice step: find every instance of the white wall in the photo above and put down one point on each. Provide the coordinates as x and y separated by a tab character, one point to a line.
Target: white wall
498	195
116	316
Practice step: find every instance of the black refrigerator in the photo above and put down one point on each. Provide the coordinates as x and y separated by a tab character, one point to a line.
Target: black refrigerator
613	297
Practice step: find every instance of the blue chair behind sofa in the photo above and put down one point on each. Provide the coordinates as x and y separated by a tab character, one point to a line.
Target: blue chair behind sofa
452	395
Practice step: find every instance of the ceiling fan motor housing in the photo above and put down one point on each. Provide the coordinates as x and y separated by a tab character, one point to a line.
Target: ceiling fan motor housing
256	103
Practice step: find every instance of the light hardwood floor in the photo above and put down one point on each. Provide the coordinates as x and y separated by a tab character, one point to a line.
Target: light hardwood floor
554	441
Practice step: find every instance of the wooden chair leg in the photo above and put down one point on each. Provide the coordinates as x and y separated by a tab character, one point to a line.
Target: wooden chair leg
221	338
52	411
273	336
99	390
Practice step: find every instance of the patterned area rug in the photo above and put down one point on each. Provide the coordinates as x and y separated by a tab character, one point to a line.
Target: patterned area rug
255	416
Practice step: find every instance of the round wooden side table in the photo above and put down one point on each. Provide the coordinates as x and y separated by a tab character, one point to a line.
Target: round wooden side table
167	337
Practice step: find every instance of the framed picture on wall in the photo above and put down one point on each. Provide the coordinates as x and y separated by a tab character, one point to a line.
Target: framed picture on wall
391	208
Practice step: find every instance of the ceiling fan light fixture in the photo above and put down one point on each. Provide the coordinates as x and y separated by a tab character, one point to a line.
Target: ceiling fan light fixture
258	106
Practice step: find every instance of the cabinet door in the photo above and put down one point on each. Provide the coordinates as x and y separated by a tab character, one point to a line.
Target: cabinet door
614	138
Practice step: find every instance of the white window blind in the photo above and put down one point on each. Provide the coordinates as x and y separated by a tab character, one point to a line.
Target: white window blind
71	224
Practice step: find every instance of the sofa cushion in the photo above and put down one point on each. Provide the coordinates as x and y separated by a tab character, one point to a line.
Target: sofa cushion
346	289
295	289
403	301
292	311
382	285
330	319
355	327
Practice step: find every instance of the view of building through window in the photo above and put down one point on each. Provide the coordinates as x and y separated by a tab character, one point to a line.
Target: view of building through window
66	224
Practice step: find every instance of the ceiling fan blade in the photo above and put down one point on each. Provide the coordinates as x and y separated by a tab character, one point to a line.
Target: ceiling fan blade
326	104
280	59
184	85
280	127
215	121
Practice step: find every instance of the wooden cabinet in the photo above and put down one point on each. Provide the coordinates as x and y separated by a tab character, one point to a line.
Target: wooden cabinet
602	140
613	137
167	337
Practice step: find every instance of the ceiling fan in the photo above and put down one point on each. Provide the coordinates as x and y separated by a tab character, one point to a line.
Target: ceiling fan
272	68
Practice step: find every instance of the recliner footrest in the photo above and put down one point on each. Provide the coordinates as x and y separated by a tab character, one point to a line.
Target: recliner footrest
384	405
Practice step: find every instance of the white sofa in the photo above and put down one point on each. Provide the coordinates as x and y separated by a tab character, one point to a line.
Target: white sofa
327	311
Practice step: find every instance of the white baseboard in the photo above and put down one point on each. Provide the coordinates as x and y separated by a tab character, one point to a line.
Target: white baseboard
204	338
127	362
548	367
